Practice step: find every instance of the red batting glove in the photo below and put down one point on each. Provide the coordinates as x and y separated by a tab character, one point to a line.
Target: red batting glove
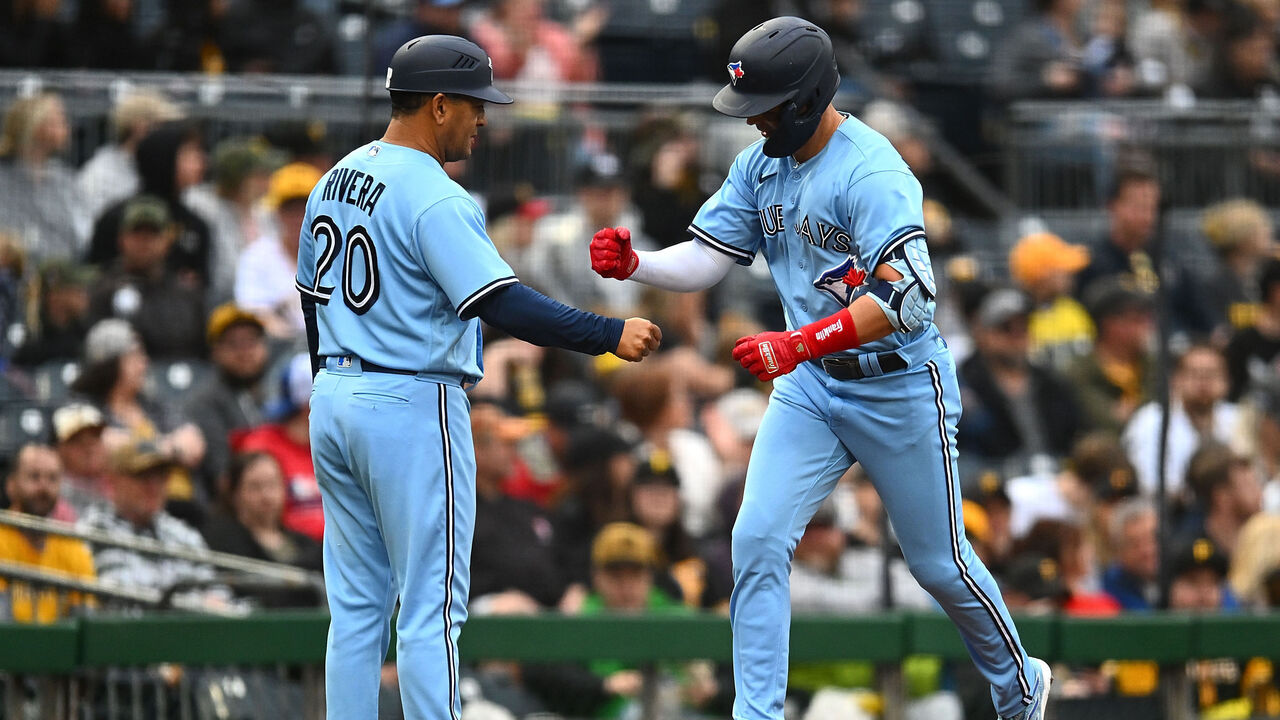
770	354
611	253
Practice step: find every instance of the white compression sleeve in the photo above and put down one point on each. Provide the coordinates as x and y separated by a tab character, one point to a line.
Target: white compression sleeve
685	267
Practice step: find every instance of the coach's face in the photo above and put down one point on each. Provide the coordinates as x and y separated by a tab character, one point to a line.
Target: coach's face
462	118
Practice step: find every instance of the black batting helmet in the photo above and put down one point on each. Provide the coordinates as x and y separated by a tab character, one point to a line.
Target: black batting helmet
785	61
444	64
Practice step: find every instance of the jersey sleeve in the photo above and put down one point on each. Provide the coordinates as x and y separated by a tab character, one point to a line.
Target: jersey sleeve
729	220
457	252
885	210
305	280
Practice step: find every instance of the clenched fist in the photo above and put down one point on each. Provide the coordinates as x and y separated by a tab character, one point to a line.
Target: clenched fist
770	354
611	253
639	338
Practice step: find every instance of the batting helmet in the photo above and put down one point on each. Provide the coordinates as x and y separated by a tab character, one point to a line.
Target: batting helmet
444	64
785	61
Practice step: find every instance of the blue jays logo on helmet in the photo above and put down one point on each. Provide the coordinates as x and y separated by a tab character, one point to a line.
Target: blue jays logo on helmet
735	72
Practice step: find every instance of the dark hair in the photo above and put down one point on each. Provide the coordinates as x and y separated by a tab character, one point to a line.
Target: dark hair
240	465
1268	279
1131	175
1208	470
408	103
96	379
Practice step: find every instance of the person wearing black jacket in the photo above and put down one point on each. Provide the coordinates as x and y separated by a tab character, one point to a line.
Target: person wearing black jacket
1014	411
170	159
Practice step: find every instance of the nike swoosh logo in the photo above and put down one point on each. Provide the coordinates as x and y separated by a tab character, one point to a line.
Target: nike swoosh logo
764	176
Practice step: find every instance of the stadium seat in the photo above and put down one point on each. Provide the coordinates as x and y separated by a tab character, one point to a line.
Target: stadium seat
966	33
895	32
171	382
22	423
53	379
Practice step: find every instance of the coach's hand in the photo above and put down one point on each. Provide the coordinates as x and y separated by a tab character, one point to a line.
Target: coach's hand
611	253
770	354
639	338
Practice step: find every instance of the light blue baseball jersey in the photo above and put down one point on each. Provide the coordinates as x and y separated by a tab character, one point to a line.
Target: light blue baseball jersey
822	224
396	256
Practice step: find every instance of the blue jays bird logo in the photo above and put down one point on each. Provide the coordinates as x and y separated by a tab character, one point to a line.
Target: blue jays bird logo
735	72
842	281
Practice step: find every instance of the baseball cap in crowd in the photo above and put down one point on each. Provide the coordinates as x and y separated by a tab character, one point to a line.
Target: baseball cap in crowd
234	160
572	404
743	409
140	456
1101	464
588	444
294	181
70	420
1039	254
1111	296
656	469
985	487
64	274
1001	306
146	212
109	339
294	387
600	170
1036	576
1197	554
623	544
977	523
226	316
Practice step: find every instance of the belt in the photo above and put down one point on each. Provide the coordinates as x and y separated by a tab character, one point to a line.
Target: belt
367	366
862	366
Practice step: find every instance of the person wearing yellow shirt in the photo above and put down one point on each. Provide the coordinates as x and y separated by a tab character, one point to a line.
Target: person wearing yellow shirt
1045	267
32	488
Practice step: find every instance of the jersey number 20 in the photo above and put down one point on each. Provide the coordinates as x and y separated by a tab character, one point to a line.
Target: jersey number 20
357	237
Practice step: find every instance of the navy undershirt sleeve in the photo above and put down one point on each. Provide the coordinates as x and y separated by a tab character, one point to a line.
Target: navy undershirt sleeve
313	332
527	314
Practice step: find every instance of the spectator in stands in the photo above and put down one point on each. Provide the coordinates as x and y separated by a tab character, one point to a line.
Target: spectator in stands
989	492
287	438
103	38
1106	60
513	562
1241	234
33	34
137	286
602	199
731	423
39	198
428	17
1018	416
32	488
1172	42
1199	572
1133	211
189	38
1227	494
1119	376
1256	561
1033	584
15	299
1044	266
111	174
1252	351
1131	577
599	466
249	525
1042	58
657	402
230	204
57	325
77	430
232	399
669	182
113	378
525	45
170	159
1199	413
276	36
140	472
1244	64
266	269
1065	543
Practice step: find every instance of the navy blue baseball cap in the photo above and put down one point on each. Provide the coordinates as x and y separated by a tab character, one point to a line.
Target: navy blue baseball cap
444	64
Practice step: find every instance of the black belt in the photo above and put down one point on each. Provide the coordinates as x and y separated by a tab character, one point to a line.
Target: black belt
367	366
849	368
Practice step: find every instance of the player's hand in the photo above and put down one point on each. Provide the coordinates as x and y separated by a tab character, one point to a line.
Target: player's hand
639	338
611	253
770	354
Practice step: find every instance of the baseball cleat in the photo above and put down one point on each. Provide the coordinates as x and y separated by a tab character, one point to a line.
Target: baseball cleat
1039	696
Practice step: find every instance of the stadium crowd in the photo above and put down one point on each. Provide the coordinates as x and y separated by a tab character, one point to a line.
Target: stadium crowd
149	313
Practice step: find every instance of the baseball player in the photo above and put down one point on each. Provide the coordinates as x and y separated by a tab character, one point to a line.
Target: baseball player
394	268
860	375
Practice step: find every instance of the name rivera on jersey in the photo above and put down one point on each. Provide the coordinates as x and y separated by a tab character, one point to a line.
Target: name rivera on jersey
354	188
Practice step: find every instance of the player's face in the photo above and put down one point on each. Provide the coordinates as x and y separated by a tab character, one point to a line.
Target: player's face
462	127
766	122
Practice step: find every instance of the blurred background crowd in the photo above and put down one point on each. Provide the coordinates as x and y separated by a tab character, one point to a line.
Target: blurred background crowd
1092	272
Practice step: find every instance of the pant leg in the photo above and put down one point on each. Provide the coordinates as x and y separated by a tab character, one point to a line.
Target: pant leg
358	579
902	427
413	439
795	463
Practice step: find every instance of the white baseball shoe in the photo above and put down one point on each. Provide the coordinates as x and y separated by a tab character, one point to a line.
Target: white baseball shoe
1039	696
